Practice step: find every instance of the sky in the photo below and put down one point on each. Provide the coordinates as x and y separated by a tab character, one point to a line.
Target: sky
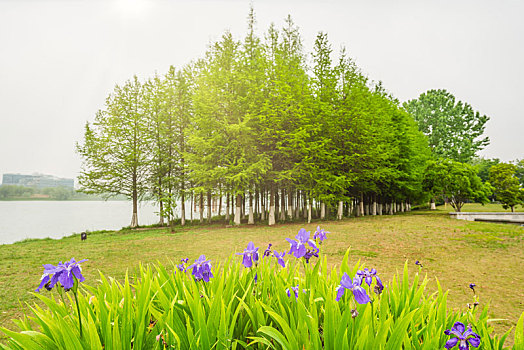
60	59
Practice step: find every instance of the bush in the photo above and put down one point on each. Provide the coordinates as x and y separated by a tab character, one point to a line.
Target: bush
254	308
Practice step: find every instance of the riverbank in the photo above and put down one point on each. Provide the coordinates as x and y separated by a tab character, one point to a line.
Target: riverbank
454	251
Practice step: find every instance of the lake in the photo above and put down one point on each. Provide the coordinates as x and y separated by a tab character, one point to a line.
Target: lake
55	219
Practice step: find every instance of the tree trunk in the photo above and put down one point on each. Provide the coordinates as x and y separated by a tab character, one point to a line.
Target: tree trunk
257	206
322	210
183	210
290	207
192	207
305	205
263	205
201	206
227	208
161	214
340	211
282	205
361	205
243	207
374	205
309	209
251	217
277	204
297	205
209	213
271	220
220	204
432	205
238	209
134	217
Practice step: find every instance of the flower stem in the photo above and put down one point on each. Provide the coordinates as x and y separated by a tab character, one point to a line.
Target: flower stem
373	316
79	316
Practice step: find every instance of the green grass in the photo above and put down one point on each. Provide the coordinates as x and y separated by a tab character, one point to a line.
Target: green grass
454	251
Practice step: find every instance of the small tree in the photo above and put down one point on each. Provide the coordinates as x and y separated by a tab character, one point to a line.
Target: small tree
115	151
507	188
456	181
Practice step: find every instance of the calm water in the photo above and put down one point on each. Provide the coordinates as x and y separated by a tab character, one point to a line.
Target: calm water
55	219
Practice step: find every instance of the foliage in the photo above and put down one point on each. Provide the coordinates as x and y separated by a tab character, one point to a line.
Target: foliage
507	188
54	193
115	151
253	308
255	119
454	129
11	191
456	181
520	171
483	166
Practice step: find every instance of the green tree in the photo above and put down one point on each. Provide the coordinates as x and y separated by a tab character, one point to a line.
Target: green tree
115	152
519	171
506	184
456	181
455	131
483	166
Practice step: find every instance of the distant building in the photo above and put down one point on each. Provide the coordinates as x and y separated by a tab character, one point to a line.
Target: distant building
38	181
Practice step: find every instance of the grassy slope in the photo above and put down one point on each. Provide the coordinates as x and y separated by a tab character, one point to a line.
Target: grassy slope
457	252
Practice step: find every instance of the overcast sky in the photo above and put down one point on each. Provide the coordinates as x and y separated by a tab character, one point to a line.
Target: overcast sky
60	59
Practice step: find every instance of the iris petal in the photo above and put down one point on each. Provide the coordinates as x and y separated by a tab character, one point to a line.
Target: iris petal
475	342
360	295
451	343
300	251
340	292
78	274
43	282
459	327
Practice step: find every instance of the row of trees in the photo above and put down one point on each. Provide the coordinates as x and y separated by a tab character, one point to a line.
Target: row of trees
55	193
258	121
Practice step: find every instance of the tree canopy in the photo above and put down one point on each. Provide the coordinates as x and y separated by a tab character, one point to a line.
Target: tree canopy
506	185
263	123
456	181
454	130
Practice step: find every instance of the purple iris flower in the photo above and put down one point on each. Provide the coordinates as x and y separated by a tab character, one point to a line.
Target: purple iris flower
280	258
250	255
256	278
294	289
181	267
202	269
472	286
320	234
418	263
65	273
298	247
368	275
358	292
267	252
463	339
309	254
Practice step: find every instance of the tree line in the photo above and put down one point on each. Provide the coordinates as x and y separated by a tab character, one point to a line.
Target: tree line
261	124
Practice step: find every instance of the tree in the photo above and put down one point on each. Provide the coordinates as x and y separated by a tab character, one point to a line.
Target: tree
115	151
519	171
507	188
483	166
456	181
454	129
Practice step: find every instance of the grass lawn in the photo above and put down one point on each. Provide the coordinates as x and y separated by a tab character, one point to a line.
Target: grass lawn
454	251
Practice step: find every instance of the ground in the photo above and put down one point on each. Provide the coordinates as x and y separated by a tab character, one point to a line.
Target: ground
454	251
